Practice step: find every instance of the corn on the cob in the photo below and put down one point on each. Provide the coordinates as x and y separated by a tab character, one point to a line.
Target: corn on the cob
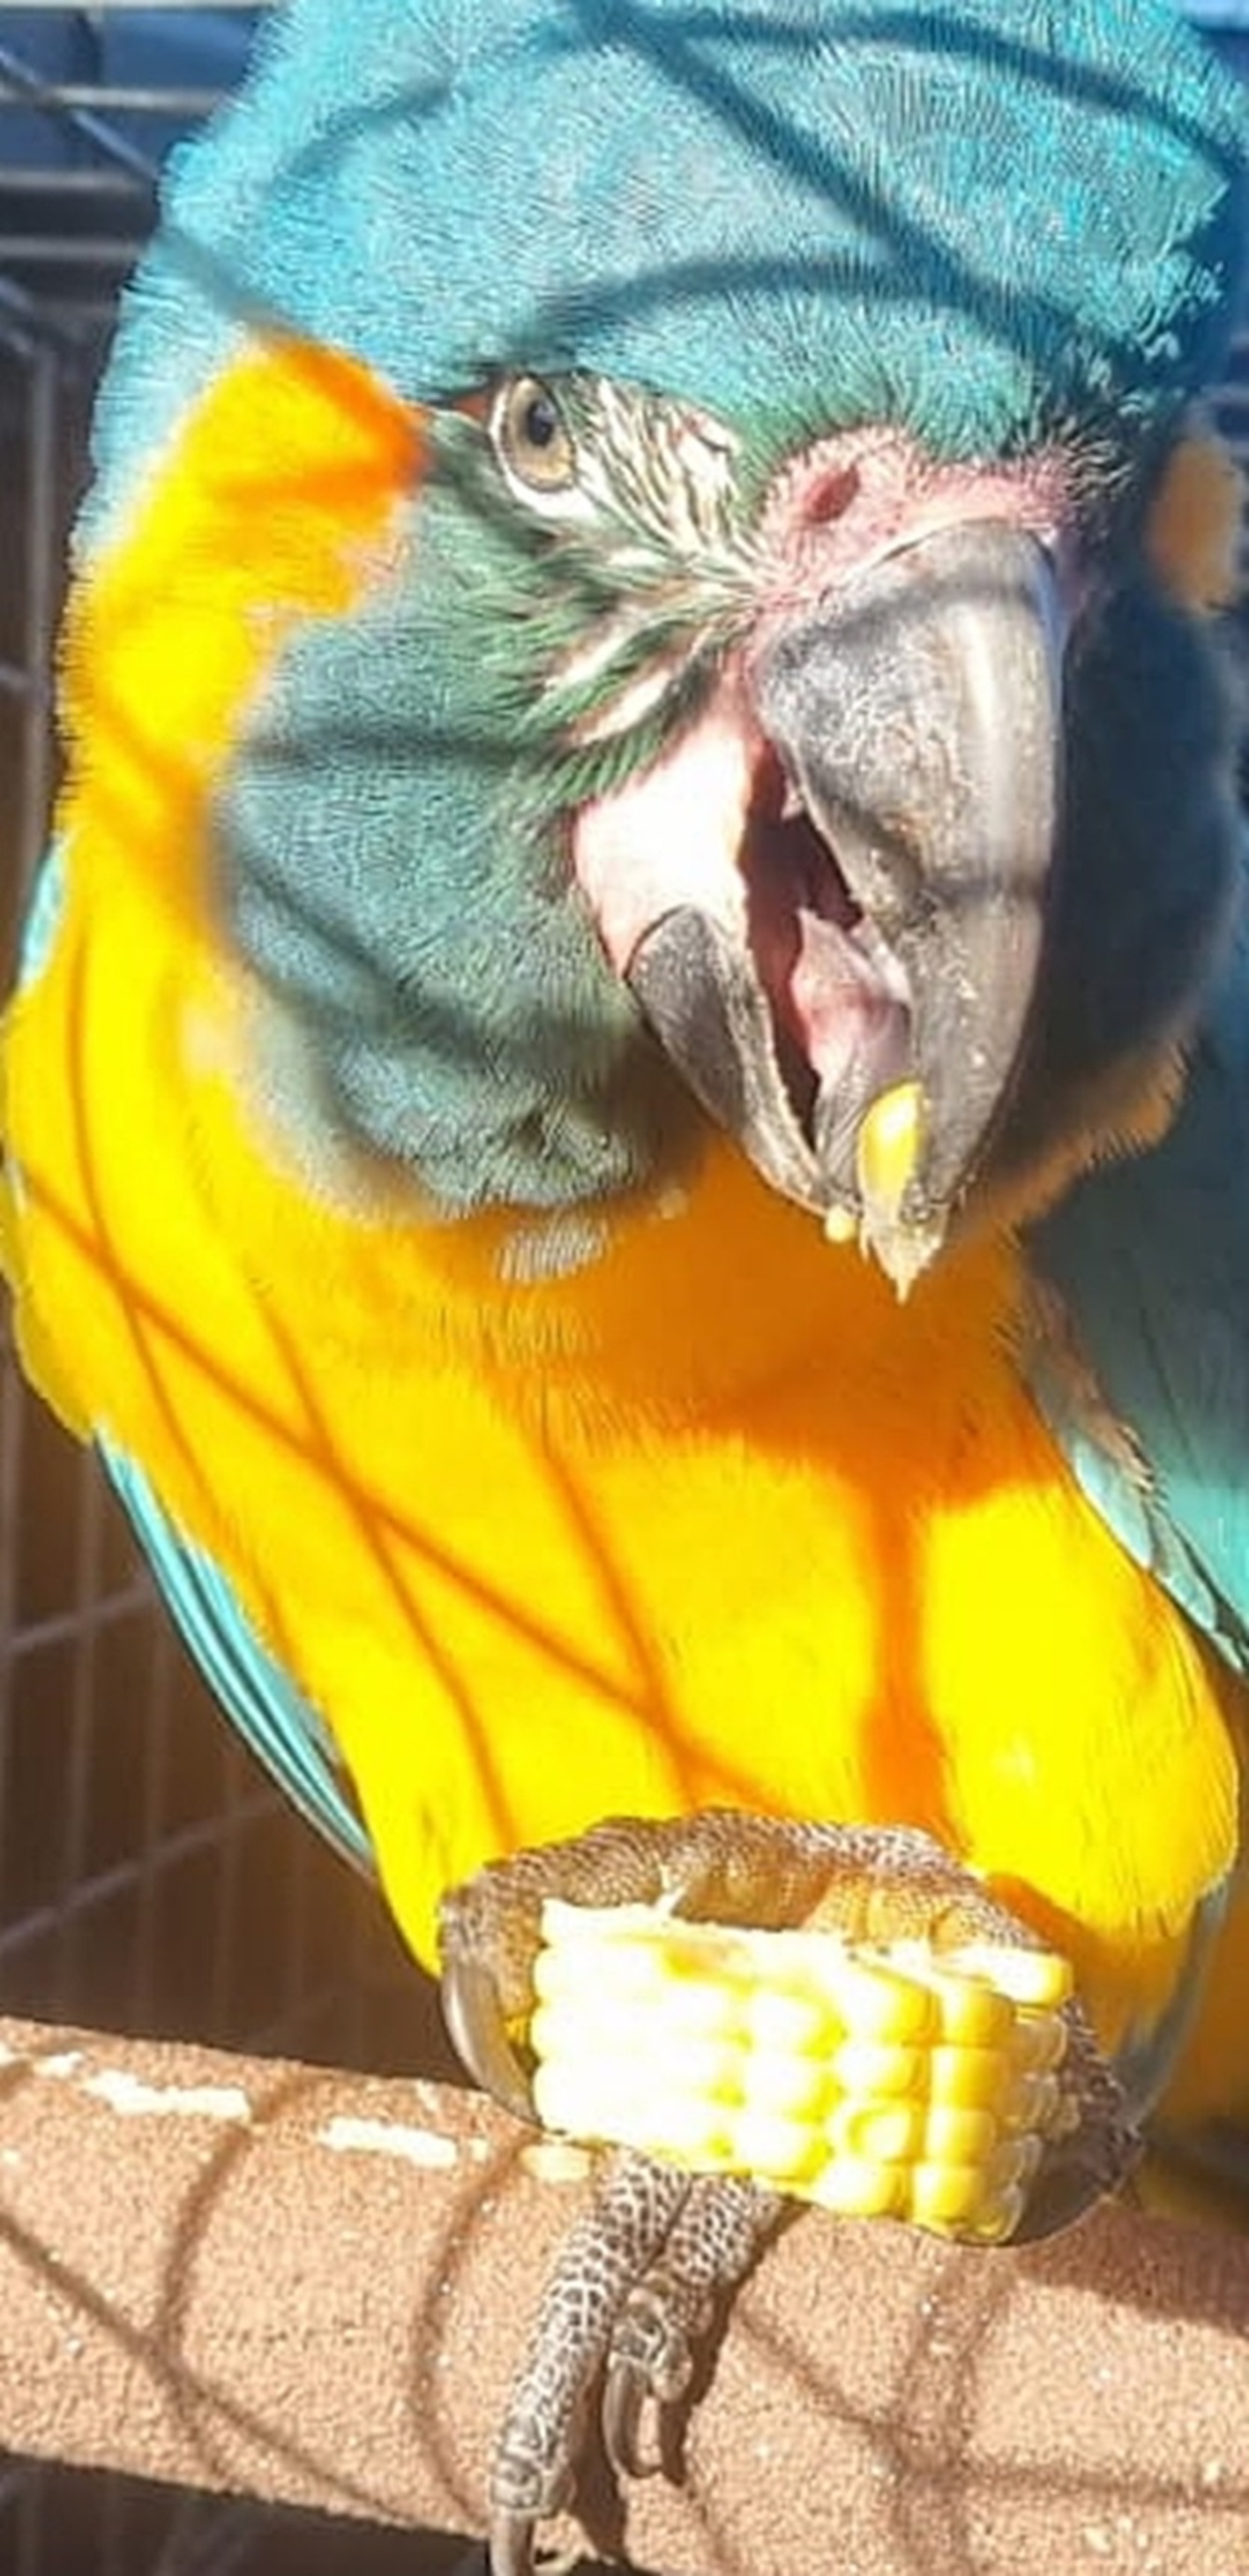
882	2081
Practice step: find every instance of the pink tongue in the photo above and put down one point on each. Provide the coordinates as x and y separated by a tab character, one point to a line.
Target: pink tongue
831	1001
825	994
675	836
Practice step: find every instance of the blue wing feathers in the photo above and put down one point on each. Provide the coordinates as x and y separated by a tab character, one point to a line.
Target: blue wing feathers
1151	1258
271	1714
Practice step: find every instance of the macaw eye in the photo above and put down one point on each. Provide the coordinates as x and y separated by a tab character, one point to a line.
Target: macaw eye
533	441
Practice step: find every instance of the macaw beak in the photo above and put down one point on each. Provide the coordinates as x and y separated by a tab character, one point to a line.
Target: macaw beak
862	1028
920	724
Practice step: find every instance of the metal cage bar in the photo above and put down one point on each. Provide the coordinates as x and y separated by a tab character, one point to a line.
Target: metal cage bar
150	1879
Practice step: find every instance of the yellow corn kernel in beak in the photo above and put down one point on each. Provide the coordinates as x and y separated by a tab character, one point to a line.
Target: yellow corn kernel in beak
881	2079
887	1147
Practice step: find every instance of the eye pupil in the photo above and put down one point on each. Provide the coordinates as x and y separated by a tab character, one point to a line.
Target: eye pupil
541	423
532	436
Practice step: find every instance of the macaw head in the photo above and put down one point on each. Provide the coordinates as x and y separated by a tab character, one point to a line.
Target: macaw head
778	683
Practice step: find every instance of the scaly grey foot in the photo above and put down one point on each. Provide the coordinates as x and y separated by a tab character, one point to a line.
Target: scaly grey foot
648	2269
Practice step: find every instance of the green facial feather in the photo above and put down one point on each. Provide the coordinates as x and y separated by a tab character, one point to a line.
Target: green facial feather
992	226
391	856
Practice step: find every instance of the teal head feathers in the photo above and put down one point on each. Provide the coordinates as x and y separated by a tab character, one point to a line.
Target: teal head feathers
798	381
988	222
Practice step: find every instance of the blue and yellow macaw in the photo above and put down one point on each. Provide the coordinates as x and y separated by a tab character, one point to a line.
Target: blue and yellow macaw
628	1104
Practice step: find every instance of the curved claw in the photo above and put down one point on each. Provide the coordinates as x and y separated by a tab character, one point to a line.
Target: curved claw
529	2484
511	2543
475	2020
626	2390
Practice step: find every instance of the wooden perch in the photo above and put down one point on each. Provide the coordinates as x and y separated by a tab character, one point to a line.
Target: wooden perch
257	2276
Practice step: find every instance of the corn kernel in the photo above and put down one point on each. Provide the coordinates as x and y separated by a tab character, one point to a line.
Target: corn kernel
566	2028
956	2135
781	2023
876	2082
1032	2103
1039	2043
972	2015
696	2133
855	2189
569	2032
777	2149
969	2079
946	2195
888	1145
997	2221
875	2000
793	2086
887	2133
878	2066
566	1970
585	1944
1039	1979
586	2102
1014	2163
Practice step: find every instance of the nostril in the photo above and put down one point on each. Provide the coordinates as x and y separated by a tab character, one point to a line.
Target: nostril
829	494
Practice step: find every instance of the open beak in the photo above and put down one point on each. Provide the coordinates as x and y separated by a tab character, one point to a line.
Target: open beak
859	1021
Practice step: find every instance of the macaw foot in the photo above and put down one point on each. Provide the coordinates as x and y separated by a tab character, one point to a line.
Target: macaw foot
751	2011
636	2286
